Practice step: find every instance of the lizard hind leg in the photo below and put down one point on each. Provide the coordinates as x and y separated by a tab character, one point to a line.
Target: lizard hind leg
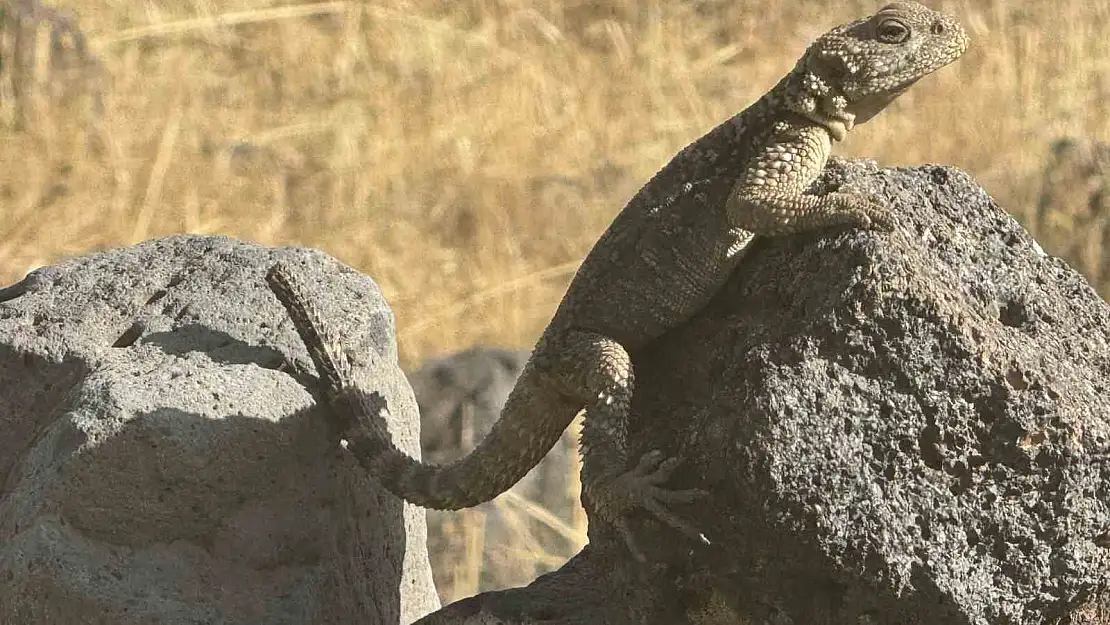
599	370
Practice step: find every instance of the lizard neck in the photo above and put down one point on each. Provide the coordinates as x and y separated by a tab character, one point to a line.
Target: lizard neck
804	94
838	128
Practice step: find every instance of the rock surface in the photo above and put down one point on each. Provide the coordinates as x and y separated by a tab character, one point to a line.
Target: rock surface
159	462
460	396
906	428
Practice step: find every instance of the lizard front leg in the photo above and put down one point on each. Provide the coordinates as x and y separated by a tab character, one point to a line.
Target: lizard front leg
772	214
770	199
599	370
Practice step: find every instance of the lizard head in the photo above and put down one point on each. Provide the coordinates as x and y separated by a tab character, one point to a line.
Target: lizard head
855	70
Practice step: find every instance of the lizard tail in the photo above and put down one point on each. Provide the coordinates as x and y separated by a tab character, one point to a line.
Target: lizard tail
532	421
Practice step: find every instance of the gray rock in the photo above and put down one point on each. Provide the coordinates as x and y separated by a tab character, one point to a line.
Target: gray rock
902	428
460	397
911	428
160	464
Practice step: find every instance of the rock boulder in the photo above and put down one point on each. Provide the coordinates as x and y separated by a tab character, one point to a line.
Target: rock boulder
908	428
159	461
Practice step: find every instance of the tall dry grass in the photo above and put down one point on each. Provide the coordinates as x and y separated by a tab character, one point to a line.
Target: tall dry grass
466	153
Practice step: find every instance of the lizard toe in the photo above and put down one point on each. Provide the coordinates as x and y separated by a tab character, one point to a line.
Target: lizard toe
653	468
676	522
882	218
869	210
648	462
629	541
673	497
616	499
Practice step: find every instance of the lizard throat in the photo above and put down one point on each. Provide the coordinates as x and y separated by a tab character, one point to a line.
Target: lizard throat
838	127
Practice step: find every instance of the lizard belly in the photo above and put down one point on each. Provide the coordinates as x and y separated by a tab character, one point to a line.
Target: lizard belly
658	284
690	276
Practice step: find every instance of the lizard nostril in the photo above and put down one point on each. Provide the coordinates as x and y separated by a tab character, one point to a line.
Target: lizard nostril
937	28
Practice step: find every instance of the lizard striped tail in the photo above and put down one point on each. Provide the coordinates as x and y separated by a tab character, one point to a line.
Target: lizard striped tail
332	364
533	419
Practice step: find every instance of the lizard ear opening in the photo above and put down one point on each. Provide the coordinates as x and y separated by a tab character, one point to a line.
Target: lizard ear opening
830	66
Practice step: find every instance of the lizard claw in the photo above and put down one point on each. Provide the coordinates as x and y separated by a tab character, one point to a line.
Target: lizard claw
870	211
641	488
881	217
625	532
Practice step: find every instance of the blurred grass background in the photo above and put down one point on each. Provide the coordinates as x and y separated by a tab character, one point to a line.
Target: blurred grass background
467	153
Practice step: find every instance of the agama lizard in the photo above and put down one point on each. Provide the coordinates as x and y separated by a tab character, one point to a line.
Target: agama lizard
661	260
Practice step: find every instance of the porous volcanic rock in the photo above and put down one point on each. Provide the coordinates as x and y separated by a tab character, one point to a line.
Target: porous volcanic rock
159	459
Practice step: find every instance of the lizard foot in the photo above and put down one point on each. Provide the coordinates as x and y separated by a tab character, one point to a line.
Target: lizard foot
870	210
881	217
640	488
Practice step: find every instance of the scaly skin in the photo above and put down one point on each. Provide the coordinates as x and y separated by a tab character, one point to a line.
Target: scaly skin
662	259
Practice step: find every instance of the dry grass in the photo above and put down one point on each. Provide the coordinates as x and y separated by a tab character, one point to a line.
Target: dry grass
466	153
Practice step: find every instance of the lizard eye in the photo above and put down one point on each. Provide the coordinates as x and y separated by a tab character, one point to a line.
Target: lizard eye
891	30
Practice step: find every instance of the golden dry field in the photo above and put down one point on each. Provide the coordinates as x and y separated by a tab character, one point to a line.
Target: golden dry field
466	153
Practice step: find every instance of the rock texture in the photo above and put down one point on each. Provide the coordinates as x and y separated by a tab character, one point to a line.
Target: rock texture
910	428
460	396
158	459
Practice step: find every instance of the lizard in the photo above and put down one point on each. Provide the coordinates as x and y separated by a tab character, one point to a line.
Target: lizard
663	257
